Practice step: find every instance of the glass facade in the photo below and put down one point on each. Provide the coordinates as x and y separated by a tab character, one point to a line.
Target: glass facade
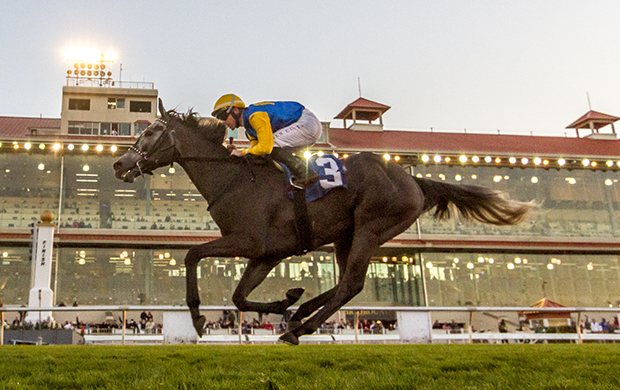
82	192
513	279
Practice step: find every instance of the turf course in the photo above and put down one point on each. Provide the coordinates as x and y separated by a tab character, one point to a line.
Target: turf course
478	366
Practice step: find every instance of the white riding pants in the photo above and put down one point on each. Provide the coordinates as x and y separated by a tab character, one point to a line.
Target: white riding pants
305	132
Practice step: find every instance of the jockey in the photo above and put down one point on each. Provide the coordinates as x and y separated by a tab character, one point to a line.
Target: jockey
276	128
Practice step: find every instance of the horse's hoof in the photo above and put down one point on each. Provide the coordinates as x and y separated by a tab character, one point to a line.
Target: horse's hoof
294	294
289	338
199	325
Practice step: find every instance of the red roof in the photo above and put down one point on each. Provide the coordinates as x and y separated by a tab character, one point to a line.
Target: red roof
19	127
412	141
394	141
597	119
365	110
547	303
531	315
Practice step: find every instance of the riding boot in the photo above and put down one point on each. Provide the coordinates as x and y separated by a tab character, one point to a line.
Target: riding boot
302	176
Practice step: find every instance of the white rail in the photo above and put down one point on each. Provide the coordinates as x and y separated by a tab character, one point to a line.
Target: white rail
470	336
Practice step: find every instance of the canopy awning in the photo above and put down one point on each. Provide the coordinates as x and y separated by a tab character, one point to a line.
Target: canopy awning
543	303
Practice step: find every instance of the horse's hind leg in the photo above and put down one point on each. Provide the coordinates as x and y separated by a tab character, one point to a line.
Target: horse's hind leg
255	272
351	284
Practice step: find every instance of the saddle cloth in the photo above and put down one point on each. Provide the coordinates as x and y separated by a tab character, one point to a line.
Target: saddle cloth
331	175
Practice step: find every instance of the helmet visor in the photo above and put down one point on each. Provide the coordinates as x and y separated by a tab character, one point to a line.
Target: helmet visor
222	113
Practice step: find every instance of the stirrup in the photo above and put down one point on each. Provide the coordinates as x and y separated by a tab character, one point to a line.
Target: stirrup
292	184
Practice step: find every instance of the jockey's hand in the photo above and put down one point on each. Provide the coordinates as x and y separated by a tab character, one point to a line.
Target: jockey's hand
231	147
237	153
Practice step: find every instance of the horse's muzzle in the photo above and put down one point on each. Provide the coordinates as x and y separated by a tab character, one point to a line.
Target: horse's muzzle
125	172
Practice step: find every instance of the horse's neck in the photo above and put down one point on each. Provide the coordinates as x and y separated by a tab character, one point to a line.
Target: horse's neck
210	175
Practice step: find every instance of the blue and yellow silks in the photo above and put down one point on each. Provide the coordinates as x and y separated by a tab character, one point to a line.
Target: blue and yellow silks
261	120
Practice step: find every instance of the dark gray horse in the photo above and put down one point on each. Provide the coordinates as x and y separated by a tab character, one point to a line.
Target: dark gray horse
247	200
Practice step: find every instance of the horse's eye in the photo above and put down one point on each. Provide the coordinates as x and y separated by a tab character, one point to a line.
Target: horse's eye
148	133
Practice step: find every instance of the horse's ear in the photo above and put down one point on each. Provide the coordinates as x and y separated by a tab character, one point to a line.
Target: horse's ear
162	110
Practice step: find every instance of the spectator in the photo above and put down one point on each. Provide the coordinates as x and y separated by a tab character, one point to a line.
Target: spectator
150	325
503	329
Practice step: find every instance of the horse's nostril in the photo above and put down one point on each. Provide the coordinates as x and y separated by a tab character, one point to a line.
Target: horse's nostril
117	165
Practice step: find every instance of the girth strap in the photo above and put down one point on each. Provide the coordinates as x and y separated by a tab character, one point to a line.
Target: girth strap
303	228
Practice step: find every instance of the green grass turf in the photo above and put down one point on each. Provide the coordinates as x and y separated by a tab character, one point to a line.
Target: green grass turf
478	366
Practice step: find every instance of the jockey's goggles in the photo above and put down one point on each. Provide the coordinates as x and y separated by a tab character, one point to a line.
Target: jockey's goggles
222	113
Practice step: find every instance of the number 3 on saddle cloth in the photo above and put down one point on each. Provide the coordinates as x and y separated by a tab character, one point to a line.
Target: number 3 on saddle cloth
331	175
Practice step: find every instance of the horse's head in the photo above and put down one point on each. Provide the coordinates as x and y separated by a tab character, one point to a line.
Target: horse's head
169	137
154	148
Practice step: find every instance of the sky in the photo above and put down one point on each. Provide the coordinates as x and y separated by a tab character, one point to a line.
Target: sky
520	67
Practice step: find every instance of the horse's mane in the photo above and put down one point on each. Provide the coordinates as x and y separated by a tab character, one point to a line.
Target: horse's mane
193	120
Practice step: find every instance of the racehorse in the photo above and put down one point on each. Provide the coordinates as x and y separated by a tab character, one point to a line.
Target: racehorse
248	200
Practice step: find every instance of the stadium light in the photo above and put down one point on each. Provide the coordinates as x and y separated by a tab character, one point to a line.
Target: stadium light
89	65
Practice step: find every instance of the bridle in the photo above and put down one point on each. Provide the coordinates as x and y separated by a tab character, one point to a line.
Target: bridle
148	155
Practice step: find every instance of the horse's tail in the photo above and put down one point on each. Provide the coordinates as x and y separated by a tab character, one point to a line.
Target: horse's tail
473	203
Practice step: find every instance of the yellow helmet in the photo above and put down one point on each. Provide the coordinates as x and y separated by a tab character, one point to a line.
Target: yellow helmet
225	104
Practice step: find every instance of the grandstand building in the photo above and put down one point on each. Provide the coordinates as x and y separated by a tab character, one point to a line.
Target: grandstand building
119	243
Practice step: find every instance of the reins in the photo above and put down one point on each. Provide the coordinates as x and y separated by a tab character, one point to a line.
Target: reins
147	156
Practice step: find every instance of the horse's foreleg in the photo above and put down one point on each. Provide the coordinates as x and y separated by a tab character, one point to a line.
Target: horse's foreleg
255	272
191	289
224	247
310	307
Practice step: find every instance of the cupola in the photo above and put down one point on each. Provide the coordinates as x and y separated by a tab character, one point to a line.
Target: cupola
594	121
363	110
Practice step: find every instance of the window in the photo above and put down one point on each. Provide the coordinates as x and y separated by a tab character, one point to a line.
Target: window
106	128
138	106
139	127
88	128
116	103
124	129
115	129
79	104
